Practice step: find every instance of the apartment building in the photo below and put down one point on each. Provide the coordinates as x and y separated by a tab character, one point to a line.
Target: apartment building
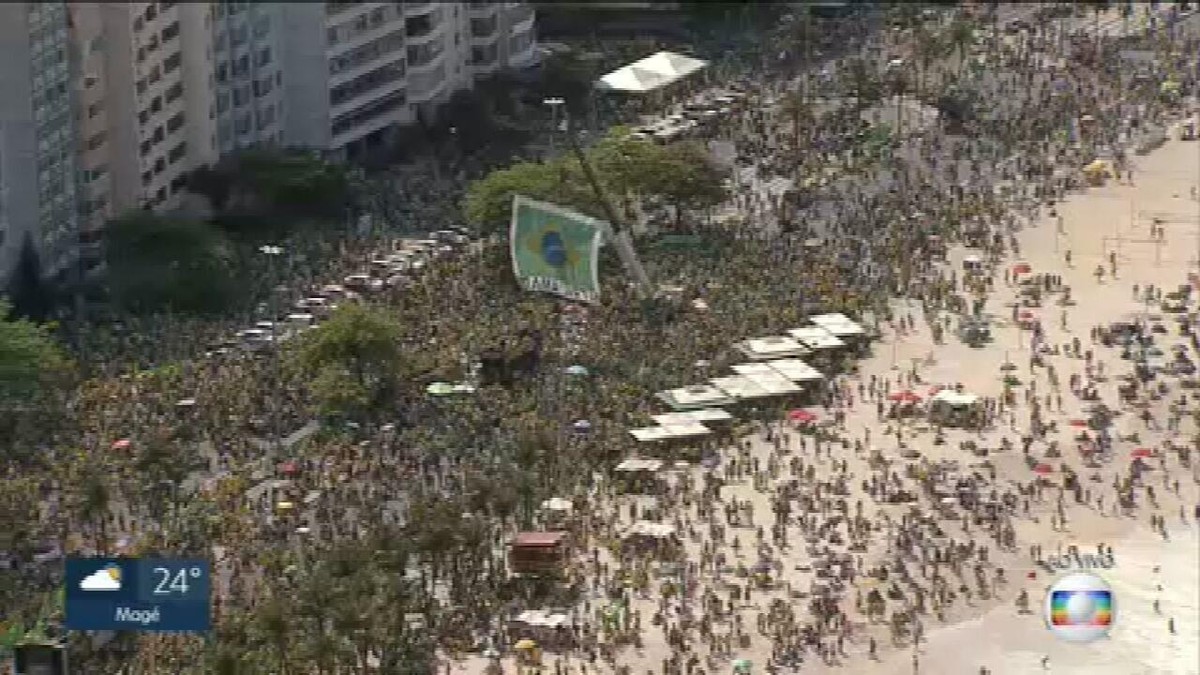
38	189
116	103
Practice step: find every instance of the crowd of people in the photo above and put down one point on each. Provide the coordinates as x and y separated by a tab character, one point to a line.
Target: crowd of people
452	478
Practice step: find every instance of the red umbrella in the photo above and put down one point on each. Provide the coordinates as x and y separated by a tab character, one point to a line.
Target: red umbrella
1026	314
1143	452
802	416
1043	469
1078	423
287	467
121	444
906	396
1022	268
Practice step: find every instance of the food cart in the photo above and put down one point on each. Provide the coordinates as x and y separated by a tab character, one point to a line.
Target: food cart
537	553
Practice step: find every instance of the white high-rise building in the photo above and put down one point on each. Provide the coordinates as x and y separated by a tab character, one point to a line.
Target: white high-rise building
108	107
38	190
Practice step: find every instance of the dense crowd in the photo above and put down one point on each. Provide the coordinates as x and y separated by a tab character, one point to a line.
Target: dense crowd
859	222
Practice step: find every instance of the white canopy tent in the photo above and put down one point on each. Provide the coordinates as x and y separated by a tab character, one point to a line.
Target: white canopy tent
816	337
667	432
542	618
774	384
796	370
695	396
772	347
634	464
740	387
839	325
702	415
651	73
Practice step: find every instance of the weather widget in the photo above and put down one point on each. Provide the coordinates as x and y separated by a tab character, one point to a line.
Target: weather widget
143	594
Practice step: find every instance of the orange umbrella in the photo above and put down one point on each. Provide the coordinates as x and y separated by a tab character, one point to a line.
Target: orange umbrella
906	396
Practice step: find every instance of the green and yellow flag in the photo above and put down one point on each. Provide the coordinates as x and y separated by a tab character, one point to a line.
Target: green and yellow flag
556	250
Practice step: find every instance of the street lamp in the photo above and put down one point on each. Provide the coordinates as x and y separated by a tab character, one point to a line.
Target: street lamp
273	253
554	102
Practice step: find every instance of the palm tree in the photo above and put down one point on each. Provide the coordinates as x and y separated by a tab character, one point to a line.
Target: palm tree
274	624
962	35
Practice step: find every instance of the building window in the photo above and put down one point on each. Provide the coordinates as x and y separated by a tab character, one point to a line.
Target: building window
241	67
366	82
222	73
178	183
242	124
175	122
161	195
138	24
420	55
219	42
96	141
177	152
155	74
263	87
241	96
158	134
144	149
143	117
141	86
151	12
262	26
141	54
174	92
419	26
222	102
264	57
482	28
331	35
170	32
160	165
147	177
93	110
172	62
156	104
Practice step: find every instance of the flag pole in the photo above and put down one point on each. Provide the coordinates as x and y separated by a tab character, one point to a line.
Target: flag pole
618	233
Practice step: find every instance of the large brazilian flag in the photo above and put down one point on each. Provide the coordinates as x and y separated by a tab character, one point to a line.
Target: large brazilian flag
556	250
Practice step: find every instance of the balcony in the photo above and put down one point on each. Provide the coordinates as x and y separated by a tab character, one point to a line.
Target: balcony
417	8
518	15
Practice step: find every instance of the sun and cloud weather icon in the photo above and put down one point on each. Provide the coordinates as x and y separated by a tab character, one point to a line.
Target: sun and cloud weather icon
107	578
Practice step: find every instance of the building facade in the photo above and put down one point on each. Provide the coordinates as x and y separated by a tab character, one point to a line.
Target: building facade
116	103
38	163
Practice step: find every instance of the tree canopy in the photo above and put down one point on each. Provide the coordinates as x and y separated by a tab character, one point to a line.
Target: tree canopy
629	169
159	263
354	358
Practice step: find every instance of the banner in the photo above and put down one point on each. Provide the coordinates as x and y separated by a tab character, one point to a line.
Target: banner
555	250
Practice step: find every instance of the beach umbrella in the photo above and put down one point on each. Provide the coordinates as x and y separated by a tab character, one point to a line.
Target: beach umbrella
122	444
1142	452
576	370
525	644
1078	423
905	396
802	416
1022	268
1043	469
288	467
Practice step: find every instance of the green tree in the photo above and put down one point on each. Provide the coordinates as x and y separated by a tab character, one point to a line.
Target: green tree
32	298
488	202
157	263
95	502
34	372
354	358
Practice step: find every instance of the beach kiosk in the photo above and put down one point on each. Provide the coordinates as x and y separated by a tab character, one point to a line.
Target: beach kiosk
652	539
537	553
951	408
638	476
695	397
771	347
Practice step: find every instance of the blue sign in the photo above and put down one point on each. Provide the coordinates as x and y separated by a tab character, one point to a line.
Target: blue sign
142	594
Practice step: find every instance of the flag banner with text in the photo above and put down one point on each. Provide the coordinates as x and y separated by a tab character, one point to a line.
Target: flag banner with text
556	250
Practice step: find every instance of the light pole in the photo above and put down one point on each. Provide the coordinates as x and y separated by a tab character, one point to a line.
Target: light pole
553	102
273	253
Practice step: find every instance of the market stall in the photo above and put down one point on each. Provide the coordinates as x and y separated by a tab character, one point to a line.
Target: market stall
952	408
537	553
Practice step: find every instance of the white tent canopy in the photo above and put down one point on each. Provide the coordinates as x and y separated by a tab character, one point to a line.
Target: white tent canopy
670	431
740	387
702	415
542	618
816	337
837	324
771	347
695	396
634	465
653	72
796	370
